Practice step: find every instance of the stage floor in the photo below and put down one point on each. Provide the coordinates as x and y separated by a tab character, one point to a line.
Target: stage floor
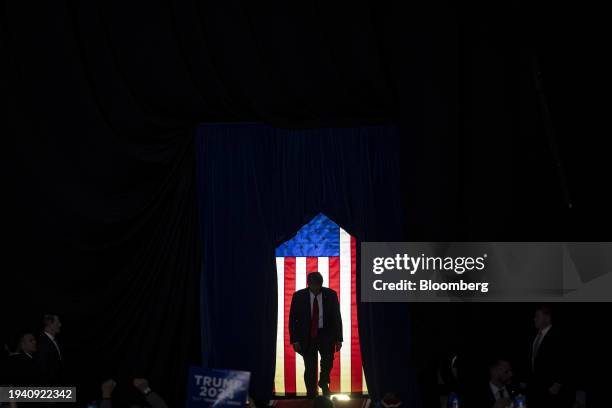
354	402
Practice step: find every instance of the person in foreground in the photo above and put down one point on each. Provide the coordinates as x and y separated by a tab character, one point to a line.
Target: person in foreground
153	399
21	367
315	327
49	357
498	391
549	360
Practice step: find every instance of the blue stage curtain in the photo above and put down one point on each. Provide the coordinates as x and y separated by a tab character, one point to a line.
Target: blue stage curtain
257	186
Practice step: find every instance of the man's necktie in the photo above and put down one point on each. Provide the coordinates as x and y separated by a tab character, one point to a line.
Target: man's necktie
314	322
536	346
501	393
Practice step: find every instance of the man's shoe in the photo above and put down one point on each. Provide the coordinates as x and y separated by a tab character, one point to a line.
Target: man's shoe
325	390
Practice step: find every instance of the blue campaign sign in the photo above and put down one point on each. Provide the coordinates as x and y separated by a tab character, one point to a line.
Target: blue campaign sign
217	388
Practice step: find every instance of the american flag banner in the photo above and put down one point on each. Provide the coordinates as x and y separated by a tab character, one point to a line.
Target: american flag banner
321	245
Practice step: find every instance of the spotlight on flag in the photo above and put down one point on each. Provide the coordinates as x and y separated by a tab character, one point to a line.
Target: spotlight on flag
324	247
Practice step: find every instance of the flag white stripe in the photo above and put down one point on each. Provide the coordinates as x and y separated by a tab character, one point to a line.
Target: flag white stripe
345	310
364	386
300	283
323	268
279	374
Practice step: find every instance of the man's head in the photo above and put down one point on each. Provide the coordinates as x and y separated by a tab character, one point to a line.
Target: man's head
27	343
542	317
500	371
52	324
315	282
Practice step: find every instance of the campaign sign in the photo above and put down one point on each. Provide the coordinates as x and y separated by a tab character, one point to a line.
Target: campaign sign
217	388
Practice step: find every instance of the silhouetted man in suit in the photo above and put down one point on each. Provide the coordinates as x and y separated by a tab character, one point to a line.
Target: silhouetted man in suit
549	361
22	369
497	391
315	326
49	356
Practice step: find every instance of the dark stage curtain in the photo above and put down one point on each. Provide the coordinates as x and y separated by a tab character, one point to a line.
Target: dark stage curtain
257	186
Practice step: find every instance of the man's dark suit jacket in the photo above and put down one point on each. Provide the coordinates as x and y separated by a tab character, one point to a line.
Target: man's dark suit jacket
549	365
300	317
49	361
552	365
481	396
22	370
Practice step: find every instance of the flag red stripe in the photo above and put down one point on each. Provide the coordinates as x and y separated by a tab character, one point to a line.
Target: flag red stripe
312	264
356	377
334	283
289	353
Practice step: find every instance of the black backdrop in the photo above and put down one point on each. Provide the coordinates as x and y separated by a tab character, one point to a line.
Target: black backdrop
100	99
